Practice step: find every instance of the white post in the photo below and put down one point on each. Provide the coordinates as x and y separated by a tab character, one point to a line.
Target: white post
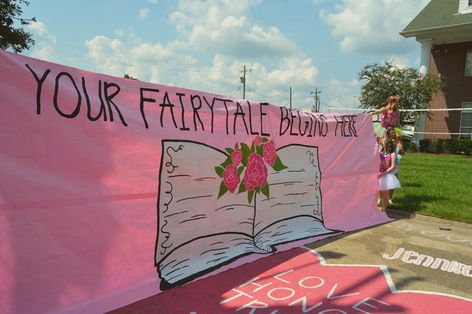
426	45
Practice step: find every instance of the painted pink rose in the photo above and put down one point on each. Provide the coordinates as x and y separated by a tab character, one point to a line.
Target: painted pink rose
231	178
257	141
237	156
269	153
256	172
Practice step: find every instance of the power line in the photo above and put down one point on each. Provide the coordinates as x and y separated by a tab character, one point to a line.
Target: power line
266	96
234	93
405	110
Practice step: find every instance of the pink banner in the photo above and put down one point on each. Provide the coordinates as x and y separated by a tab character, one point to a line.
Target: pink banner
114	190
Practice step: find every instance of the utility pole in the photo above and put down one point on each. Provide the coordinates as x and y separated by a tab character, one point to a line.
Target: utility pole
355	97
290	97
316	107
243	80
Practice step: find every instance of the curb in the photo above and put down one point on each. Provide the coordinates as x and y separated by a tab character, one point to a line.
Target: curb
399	214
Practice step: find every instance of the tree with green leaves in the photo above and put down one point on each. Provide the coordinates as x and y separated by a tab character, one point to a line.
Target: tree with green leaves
381	81
129	77
12	37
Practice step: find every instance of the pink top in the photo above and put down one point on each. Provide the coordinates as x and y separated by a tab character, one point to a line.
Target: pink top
390	119
385	162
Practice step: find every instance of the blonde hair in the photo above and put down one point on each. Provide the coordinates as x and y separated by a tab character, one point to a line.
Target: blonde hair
392	102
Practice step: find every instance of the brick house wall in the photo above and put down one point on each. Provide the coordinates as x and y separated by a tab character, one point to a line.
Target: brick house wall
448	61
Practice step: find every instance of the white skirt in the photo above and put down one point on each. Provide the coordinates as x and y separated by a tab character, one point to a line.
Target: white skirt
388	181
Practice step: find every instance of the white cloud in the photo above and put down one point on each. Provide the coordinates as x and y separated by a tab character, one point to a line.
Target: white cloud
372	26
108	53
143	13
219	31
399	62
39	28
222	27
166	64
45	43
141	60
340	88
293	70
272	84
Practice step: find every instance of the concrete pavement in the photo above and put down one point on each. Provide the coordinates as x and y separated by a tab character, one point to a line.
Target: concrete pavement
413	264
420	252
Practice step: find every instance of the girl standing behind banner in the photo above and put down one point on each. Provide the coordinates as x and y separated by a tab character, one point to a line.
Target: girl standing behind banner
387	180
390	119
399	151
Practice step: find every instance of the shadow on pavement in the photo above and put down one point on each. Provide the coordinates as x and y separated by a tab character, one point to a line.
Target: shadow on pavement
292	281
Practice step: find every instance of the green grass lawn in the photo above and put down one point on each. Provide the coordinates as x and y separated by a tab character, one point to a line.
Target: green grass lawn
435	185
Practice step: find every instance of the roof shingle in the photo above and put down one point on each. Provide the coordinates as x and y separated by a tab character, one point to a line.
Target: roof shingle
438	14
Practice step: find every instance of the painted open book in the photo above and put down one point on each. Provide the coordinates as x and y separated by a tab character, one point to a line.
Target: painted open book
200	230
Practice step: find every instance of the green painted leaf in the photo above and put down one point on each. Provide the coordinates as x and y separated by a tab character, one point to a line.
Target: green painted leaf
265	190
278	166
246	152
226	163
264	140
219	171
260	151
240	170
242	188
223	189
250	196
229	150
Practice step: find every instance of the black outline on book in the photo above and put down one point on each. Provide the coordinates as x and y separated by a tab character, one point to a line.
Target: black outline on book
164	285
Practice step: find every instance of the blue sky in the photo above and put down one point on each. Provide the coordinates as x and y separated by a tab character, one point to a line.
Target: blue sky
203	45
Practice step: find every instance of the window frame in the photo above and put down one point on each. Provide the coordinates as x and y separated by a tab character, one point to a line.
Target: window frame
468	63
467	104
465	6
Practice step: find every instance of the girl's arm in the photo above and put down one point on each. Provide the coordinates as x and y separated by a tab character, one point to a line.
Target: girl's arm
401	151
380	110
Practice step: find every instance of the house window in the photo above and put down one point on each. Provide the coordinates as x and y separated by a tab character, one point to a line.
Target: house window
466	120
468	63
465	6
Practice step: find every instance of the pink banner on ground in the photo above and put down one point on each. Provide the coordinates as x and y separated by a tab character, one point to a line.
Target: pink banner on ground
114	190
